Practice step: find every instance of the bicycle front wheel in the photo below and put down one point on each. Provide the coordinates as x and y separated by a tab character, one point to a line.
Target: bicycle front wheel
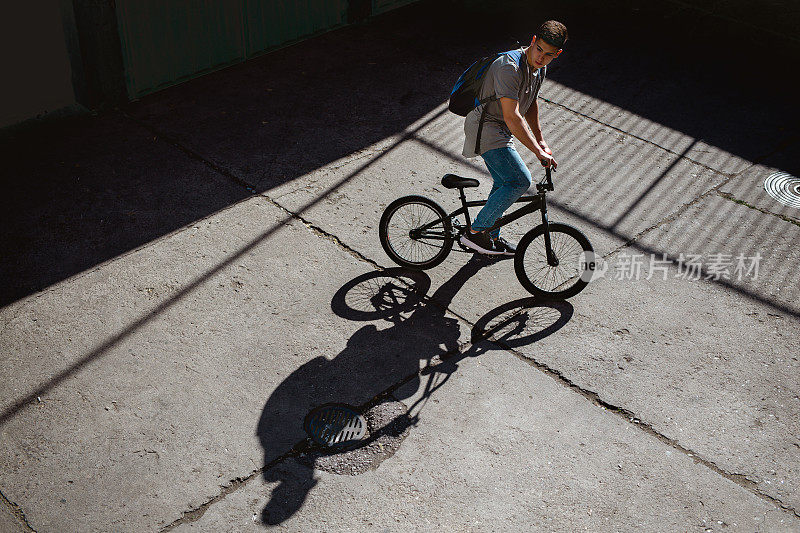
415	232
571	271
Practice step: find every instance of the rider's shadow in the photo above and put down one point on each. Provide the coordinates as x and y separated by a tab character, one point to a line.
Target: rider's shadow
373	361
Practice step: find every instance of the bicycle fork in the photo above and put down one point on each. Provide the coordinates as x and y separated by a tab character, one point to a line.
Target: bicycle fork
552	260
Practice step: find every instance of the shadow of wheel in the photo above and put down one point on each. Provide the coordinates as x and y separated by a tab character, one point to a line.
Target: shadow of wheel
522	322
381	294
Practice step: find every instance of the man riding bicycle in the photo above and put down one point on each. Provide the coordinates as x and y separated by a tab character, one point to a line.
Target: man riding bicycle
514	112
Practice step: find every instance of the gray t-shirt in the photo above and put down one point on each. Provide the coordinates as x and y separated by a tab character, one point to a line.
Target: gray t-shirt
506	77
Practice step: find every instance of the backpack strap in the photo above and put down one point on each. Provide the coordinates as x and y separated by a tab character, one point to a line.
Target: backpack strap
480	122
490	99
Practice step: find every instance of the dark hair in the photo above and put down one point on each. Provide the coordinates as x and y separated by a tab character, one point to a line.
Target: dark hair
553	32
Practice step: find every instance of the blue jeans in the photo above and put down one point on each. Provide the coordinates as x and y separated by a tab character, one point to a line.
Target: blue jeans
511	179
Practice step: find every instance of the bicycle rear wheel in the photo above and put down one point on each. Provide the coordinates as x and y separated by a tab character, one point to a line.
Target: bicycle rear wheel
574	254
415	232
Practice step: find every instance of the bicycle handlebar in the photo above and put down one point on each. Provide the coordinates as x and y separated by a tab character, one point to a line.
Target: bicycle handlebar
547	183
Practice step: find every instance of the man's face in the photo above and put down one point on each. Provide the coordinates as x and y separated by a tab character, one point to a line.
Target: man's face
541	53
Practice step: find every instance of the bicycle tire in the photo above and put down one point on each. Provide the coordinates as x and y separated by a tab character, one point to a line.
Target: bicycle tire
406	214
569	277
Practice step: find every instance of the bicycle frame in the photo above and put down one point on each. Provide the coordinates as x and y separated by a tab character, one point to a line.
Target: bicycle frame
536	202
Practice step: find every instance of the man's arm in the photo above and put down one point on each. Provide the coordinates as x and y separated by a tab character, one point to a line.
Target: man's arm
532	118
527	131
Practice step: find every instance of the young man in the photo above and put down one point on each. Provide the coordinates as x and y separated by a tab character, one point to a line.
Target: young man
514	78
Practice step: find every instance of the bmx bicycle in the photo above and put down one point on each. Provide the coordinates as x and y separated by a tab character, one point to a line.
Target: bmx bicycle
553	260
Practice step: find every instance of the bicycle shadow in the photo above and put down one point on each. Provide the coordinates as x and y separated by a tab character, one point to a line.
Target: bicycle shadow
377	360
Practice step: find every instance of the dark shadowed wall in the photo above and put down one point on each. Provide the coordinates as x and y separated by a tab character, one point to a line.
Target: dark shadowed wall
34	61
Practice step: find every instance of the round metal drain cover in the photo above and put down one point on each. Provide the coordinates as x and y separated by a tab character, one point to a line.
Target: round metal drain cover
335	424
784	187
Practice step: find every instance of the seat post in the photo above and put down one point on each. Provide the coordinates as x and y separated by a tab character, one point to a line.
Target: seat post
464	204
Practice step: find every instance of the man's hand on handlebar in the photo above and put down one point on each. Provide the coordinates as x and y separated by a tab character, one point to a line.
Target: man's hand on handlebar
546	156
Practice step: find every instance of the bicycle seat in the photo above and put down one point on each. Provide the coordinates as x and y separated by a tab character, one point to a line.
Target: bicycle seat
451	181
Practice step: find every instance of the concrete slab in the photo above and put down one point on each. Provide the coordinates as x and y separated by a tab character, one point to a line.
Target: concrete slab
140	387
503	446
622	118
83	191
748	186
723	231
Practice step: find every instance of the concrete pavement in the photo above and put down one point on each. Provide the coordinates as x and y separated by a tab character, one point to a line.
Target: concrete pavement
190	276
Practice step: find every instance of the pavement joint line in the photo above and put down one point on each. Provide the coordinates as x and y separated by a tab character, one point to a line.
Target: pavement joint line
630	417
193	154
16	511
682	209
739	479
779	148
632	241
191	286
634	136
318	231
399	138
594	397
653	185
710	192
732	198
193	515
115	338
340	243
300	447
252	190
235	484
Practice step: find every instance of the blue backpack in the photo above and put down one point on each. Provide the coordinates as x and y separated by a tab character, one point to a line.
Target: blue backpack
465	95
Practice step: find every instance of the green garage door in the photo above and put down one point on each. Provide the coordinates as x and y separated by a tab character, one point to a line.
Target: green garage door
165	42
381	6
271	23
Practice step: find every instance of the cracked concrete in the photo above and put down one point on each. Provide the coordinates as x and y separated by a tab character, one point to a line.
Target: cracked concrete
732	198
165	387
12	519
